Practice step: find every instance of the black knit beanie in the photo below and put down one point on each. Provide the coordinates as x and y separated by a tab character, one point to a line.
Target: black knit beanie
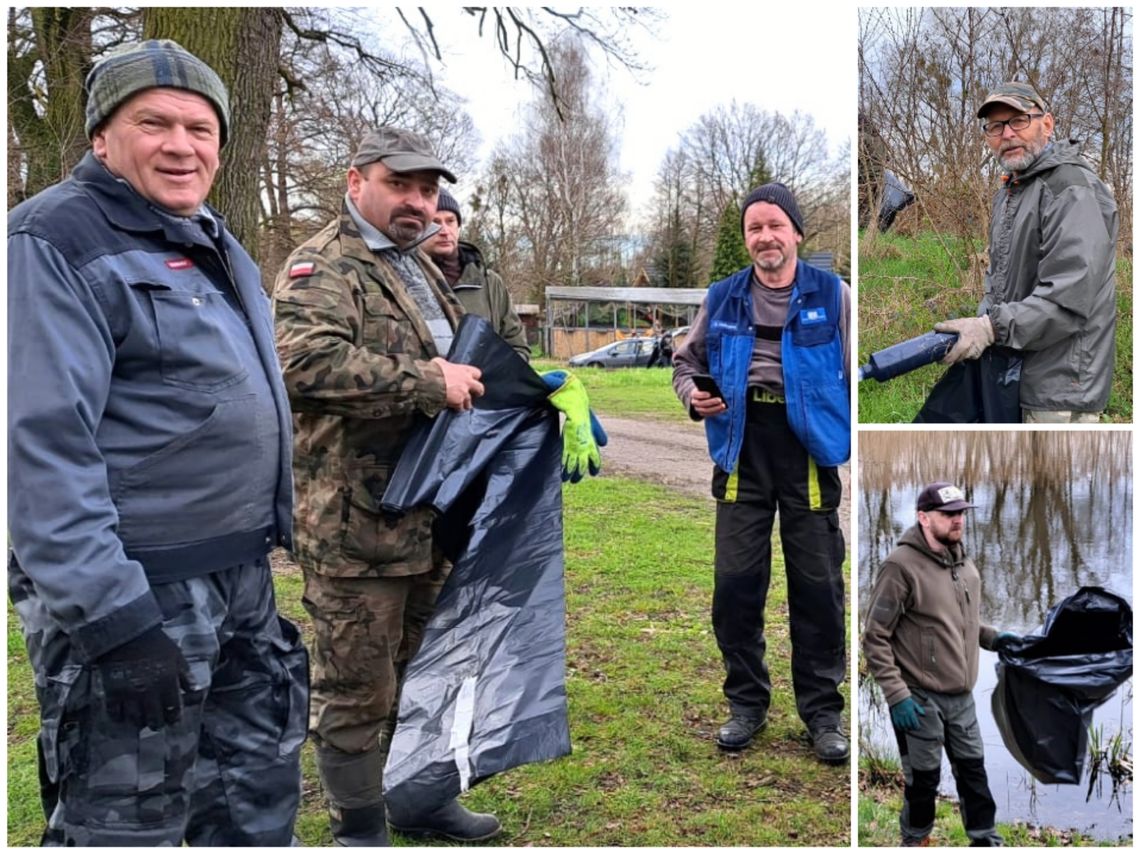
446	202
778	195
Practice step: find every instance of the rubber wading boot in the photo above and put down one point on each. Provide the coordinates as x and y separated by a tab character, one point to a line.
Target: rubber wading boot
358	828
452	820
356	803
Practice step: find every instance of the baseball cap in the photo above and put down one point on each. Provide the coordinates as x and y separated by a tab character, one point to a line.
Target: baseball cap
942	496
1020	96
401	150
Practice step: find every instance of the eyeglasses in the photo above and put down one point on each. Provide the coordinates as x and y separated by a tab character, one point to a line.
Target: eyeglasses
1016	123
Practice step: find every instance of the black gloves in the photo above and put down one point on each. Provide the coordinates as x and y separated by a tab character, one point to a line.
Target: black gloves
142	680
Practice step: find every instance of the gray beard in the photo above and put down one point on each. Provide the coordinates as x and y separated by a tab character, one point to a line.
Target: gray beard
404	234
773	266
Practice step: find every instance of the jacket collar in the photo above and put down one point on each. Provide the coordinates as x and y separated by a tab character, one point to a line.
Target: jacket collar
953	556
124	208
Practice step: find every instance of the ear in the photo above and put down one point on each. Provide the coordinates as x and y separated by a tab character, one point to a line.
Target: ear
99	143
1047	123
355	179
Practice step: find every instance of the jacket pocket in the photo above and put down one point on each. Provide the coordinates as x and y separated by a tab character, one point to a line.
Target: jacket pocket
293	687
195	332
387	329
387	545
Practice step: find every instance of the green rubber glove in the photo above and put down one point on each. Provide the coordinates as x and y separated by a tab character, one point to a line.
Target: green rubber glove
579	442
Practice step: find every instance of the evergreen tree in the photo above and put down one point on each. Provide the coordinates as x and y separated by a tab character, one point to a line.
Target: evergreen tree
730	253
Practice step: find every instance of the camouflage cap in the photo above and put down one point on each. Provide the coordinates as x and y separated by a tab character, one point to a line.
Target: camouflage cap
401	150
1020	96
154	63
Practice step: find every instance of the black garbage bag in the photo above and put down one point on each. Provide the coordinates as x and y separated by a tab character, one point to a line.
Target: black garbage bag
986	390
896	197
486	691
1049	683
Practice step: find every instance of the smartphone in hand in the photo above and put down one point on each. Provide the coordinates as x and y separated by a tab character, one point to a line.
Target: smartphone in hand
706	383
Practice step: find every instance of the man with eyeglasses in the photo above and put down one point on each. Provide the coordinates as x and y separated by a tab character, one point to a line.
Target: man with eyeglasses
1050	290
921	640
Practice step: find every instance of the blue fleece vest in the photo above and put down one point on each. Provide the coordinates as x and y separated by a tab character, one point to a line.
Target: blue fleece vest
811	354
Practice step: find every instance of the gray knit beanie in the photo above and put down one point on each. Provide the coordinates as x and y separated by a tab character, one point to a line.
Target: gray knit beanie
446	202
778	195
134	67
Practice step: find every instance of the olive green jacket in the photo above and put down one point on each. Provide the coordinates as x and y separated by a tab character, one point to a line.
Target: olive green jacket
923	627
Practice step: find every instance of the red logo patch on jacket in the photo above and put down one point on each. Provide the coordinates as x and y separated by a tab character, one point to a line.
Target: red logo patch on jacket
179	263
302	269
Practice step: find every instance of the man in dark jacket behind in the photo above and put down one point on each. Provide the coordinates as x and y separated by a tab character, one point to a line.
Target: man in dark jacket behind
1050	290
480	290
149	445
921	642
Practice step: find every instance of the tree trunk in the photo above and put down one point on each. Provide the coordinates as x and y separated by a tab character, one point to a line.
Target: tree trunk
50	143
242	45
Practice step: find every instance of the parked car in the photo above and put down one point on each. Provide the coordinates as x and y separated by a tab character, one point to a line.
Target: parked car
630	353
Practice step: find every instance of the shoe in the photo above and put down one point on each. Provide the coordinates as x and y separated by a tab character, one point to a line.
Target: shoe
738	731
359	828
452	820
917	843
830	746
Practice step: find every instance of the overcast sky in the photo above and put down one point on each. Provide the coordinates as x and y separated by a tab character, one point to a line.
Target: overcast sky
795	56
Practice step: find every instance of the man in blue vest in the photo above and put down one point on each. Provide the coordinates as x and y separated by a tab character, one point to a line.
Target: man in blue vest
774	339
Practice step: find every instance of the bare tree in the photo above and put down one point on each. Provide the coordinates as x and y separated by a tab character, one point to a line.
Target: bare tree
559	184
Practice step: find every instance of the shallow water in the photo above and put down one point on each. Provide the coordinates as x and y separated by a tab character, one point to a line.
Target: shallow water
1054	512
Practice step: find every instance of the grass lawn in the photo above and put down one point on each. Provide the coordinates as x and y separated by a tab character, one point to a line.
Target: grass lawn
627	392
643	676
907	284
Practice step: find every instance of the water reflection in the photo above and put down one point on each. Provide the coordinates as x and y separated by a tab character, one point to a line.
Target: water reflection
1054	512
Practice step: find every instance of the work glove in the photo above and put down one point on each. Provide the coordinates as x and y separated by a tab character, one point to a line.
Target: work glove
142	680
582	434
904	714
1004	638
975	334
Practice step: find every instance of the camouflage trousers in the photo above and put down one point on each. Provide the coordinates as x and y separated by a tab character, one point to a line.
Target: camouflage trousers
227	773
366	630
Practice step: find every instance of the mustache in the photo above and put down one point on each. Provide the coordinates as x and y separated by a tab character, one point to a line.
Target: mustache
405	210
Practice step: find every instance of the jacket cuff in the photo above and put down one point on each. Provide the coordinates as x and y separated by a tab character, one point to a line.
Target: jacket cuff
897	695
127	623
986	637
431	392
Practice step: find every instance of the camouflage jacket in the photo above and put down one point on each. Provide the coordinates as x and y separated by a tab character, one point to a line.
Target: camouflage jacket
356	352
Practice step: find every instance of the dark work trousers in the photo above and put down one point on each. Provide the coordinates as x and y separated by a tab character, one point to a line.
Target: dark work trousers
776	475
228	773
950	722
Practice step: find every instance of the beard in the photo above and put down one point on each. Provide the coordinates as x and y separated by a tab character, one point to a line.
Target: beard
768	265
1030	151
950	538
404	232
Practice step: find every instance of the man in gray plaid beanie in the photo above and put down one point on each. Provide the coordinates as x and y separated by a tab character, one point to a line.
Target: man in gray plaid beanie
149	466
137	66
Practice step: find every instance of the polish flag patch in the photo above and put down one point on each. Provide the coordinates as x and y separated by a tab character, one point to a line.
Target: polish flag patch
179	263
302	269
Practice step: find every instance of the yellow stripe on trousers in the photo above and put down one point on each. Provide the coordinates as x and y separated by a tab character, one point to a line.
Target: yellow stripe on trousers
732	483
814	500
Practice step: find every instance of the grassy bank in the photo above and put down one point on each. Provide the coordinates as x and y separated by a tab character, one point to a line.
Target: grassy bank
907	284
644	680
878	822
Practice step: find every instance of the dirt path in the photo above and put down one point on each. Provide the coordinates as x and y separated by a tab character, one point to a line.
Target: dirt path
675	454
